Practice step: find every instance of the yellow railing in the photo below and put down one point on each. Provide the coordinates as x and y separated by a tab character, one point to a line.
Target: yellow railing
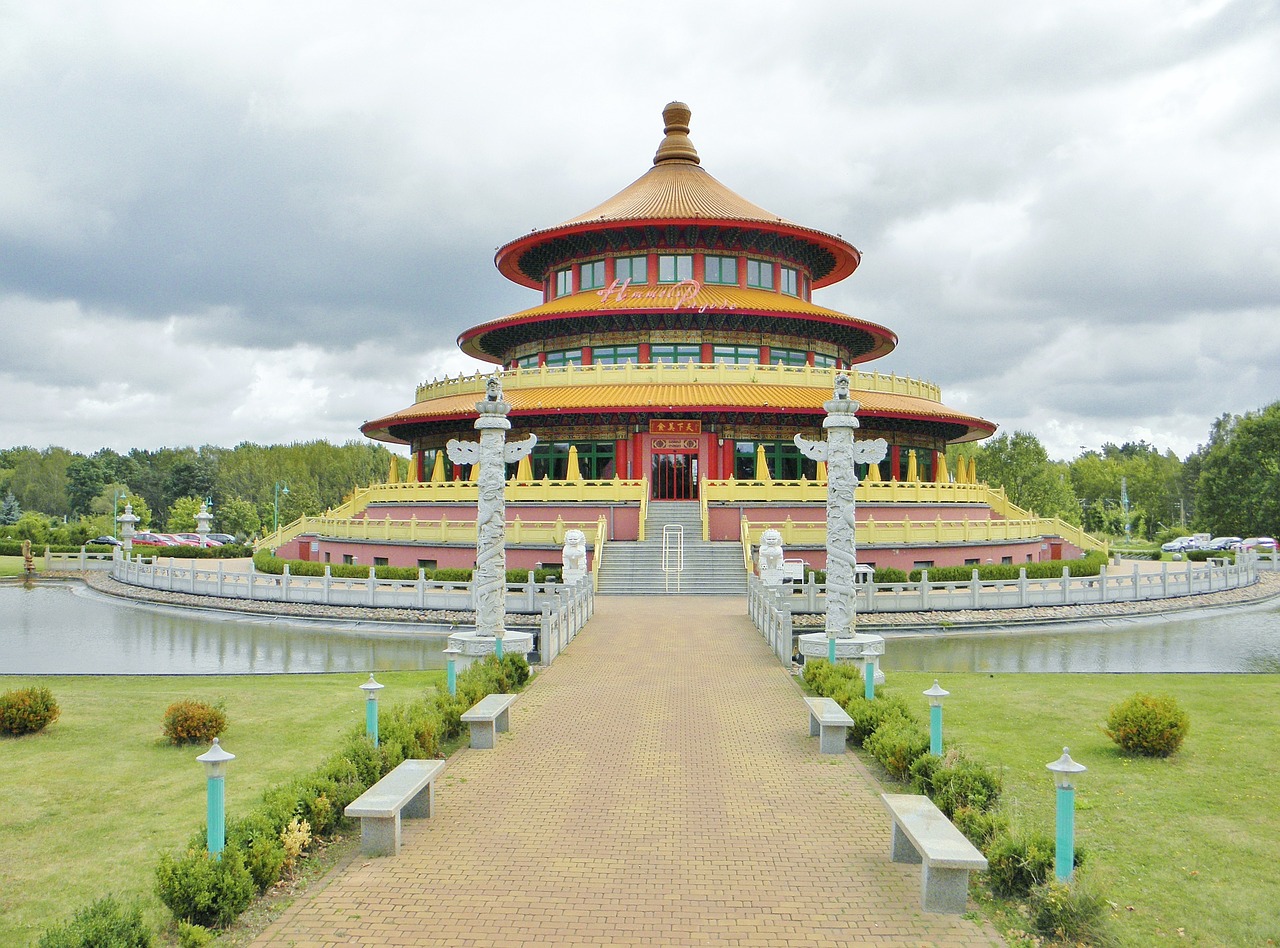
873	492
611	491
442	530
905	532
682	372
602	537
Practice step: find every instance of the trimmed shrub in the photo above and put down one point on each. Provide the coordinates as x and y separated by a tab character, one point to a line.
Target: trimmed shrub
193	936
1199	556
868	715
1015	864
205	891
981	827
1074	913
890	574
954	782
517	669
193	722
105	922
27	710
1151	725
265	858
896	743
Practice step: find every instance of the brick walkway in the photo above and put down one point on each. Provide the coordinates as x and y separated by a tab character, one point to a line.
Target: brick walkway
658	787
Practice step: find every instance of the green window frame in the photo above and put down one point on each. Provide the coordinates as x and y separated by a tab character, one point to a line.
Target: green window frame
823	361
564	282
615	355
760	274
635	269
788	357
673	267
736	355
721	270
667	352
596	460
564	357
591	275
789	282
527	362
784	459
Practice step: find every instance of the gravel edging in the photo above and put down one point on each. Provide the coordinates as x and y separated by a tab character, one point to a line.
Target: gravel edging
886	623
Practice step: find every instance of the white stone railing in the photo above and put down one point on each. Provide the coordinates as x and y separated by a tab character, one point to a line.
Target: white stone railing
196	578
564	614
75	562
768	608
1112	584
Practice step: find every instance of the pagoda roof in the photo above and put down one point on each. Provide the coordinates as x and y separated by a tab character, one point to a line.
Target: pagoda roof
687	297
648	397
676	192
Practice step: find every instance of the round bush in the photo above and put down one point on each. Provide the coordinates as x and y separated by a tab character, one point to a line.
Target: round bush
105	922
27	710
193	722
205	891
1152	725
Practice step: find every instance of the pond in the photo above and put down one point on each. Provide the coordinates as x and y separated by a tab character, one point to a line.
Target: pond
66	629
1240	640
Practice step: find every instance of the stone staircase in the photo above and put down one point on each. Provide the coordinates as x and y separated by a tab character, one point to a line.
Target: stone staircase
635	568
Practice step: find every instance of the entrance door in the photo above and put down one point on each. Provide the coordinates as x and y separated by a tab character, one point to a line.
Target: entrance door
674	476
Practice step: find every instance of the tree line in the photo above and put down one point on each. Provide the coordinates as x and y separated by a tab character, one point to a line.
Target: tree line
53	493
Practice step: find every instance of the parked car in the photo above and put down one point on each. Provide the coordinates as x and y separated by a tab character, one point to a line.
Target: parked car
178	540
152	539
1179	545
1258	544
223	538
195	539
1224	543
104	541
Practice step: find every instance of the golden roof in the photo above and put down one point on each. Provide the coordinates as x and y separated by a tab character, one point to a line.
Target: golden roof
678	189
681	396
688	296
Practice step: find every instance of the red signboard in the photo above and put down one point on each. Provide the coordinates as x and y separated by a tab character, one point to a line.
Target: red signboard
674	426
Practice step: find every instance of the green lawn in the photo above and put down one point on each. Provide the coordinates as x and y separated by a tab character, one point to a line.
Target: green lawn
1188	847
88	805
12	565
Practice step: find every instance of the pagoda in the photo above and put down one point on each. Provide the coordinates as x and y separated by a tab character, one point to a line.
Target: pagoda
675	353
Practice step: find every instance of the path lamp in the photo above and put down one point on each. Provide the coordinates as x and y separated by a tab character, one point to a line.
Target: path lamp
115	510
450	655
1064	770
280	489
371	689
935	696
215	769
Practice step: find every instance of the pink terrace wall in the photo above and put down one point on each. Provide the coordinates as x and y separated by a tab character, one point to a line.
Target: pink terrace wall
723	519
906	557
396	554
624	521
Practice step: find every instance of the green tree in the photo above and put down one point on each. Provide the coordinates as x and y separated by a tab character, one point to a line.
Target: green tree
238	517
182	515
85	480
1238	492
10	509
1019	463
40	480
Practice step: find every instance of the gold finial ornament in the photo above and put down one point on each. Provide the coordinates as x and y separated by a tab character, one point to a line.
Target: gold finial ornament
676	146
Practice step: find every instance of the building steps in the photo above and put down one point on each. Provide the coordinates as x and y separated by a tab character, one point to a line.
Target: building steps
635	568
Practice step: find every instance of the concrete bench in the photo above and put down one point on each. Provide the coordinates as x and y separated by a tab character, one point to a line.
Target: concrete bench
921	834
487	718
409	789
829	723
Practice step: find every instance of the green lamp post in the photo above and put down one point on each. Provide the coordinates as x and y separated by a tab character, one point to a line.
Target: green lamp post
215	761
1064	771
371	689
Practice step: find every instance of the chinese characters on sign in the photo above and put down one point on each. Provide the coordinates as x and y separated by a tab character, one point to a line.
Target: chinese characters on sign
674	426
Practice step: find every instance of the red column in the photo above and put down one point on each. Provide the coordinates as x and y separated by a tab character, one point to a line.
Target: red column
620	457
637	458
707	354
586	355
646	353
764	355
895	462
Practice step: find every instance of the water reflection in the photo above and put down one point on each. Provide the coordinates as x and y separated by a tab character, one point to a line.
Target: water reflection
66	630
1219	641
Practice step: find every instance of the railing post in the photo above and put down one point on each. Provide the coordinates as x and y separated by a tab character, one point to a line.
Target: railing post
1022	586
1066	585
284	584
372	586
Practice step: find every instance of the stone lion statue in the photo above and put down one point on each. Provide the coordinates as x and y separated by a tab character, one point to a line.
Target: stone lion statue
770	550
575	553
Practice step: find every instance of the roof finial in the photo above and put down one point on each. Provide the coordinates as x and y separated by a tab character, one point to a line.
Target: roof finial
676	146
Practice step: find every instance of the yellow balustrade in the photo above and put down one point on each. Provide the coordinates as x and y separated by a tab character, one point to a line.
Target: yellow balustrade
907	532
682	372
602	537
530	532
733	491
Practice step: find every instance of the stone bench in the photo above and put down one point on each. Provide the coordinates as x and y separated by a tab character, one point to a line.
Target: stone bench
487	718
829	723
409	789
921	834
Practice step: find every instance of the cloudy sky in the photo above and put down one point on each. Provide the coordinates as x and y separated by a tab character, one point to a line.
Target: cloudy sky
237	221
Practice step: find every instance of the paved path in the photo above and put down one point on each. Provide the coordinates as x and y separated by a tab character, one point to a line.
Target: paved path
658	787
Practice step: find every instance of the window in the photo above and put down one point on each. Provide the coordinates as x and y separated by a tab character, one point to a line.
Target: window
790	286
564	282
736	355
665	353
788	357
379	561
922	564
527	362
760	274
822	360
972	563
347	559
635	269
1006	561
615	355
784	459
426	564
722	270
591	275
565	357
551	459
672	268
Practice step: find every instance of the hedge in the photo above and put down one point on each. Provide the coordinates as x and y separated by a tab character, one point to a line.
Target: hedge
265	562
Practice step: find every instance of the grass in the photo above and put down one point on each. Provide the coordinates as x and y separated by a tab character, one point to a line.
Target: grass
88	805
1186	847
12	565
